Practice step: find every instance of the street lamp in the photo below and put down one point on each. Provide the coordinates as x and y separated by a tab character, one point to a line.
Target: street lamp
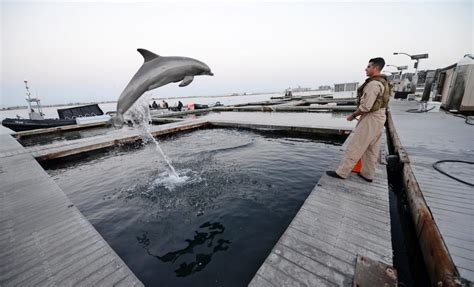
416	58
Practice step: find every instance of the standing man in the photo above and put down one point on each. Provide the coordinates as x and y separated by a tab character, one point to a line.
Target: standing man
372	101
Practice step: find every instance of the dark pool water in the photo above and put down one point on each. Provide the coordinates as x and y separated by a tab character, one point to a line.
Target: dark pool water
214	229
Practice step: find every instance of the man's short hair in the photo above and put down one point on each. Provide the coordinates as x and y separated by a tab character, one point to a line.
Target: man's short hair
379	62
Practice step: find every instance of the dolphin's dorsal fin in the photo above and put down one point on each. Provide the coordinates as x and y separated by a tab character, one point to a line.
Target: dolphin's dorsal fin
147	55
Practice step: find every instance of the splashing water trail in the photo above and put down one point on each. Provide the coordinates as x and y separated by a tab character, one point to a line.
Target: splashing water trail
140	116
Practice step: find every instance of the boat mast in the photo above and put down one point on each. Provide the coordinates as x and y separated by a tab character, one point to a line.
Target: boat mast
32	113
28	94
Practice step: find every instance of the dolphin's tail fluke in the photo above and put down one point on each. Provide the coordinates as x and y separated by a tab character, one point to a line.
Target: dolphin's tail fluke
117	120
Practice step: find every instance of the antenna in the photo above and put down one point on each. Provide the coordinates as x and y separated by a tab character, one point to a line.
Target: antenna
28	94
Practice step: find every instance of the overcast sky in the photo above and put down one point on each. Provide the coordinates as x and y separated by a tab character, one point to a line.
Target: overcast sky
83	52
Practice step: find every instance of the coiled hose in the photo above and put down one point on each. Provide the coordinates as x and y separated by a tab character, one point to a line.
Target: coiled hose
436	167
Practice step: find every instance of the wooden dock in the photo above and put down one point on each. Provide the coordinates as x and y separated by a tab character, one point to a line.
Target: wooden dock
339	221
59	129
44	239
428	138
113	138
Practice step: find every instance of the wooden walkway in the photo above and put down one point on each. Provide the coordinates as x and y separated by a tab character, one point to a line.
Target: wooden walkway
340	220
115	137
430	137
44	238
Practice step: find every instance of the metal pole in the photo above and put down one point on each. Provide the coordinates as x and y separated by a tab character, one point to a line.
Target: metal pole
28	96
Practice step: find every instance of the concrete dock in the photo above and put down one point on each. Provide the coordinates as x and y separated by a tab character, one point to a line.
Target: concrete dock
428	138
45	240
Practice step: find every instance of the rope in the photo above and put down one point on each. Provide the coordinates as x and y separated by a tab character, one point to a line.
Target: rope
435	166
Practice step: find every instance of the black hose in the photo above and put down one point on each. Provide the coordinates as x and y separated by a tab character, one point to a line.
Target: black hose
470	120
435	166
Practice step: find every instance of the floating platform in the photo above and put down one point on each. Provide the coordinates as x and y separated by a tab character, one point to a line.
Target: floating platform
122	136
45	240
340	221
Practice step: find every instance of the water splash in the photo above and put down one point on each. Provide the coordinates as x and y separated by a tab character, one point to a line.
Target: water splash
140	117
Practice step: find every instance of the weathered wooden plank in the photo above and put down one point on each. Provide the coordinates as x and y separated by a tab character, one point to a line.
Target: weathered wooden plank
59	150
339	220
259	281
45	240
298	272
452	139
320	269
367	231
306	246
276	276
329	209
309	130
373	205
358	246
59	129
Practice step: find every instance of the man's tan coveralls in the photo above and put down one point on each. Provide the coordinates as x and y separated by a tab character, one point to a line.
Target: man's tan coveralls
365	141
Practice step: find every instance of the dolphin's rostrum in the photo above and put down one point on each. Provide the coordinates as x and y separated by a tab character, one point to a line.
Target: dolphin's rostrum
155	72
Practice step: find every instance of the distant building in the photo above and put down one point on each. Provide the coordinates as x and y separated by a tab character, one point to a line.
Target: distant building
346	87
324	88
345	90
299	89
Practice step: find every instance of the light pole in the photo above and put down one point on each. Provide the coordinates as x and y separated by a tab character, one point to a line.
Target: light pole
416	58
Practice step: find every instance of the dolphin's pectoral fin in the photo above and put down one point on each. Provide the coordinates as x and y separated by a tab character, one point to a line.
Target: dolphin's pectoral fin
186	81
147	55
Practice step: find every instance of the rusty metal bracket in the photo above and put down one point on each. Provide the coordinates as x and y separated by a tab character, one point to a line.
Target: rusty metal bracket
369	272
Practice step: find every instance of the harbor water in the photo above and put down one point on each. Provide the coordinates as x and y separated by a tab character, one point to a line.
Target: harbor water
51	112
240	191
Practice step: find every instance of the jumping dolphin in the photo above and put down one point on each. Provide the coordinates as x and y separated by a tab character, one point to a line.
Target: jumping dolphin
155	72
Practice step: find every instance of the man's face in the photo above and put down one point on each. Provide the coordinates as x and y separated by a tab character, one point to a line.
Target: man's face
371	70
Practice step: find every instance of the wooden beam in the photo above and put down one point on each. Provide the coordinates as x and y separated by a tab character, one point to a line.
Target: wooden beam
298	129
58	129
108	141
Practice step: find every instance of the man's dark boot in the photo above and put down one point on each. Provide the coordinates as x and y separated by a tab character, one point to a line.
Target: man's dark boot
365	178
333	174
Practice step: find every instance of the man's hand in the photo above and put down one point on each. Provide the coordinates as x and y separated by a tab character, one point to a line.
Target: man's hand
350	117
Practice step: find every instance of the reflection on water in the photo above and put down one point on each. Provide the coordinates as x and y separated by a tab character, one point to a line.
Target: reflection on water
188	260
